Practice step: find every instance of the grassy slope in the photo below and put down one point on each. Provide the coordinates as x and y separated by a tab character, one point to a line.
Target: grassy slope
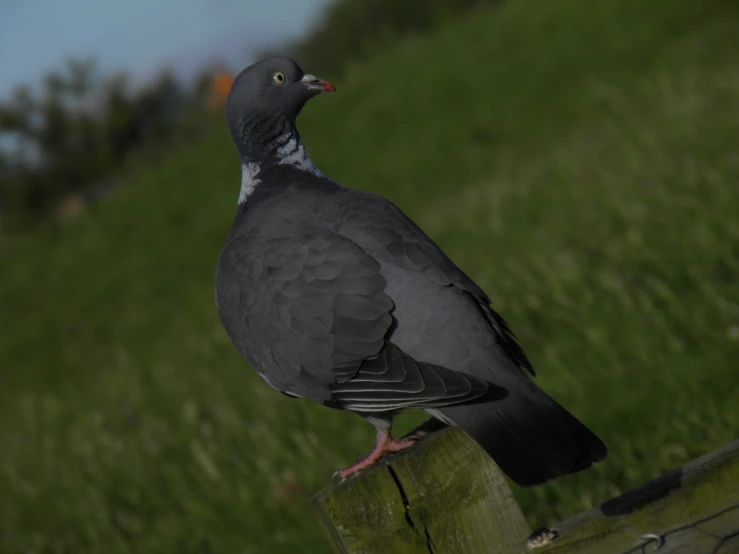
578	159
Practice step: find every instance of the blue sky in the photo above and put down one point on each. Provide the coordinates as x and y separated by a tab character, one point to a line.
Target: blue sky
141	35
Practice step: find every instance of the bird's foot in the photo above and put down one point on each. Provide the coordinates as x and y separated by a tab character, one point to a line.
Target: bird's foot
385	445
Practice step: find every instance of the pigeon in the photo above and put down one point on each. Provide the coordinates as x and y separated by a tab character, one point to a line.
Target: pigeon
333	294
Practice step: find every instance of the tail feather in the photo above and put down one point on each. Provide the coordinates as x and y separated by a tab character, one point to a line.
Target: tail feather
529	435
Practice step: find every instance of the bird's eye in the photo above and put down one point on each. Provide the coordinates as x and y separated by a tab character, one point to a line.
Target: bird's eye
278	77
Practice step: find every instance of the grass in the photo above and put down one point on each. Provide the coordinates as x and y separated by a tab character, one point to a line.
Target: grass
579	160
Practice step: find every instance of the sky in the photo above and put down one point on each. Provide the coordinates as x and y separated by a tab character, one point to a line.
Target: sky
141	35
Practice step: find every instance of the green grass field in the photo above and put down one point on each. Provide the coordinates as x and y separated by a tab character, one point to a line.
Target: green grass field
580	160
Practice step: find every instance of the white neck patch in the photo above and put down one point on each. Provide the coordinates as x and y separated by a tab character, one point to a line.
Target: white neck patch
292	152
249	180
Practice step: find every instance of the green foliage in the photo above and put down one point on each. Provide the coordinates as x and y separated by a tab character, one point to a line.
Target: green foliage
579	160
351	30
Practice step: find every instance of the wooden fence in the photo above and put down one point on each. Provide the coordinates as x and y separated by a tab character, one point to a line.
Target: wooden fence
446	496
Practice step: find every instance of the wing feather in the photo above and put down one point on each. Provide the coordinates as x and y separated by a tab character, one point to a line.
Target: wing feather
394	381
392	237
313	316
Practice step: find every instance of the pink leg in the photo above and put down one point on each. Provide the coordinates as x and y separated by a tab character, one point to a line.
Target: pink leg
385	444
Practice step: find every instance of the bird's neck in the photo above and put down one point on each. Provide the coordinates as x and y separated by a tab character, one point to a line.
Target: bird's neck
263	144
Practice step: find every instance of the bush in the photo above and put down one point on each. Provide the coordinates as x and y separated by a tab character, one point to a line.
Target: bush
79	132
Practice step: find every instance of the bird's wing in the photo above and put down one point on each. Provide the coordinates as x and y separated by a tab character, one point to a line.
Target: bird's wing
392	380
310	311
384	231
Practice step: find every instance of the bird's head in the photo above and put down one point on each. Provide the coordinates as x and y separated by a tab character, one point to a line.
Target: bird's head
269	91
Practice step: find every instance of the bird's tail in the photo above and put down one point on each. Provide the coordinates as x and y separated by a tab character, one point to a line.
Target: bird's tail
529	435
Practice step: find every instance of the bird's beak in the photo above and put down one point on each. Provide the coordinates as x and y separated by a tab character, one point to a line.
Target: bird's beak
316	84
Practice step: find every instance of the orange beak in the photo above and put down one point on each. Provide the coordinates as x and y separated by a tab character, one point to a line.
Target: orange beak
314	83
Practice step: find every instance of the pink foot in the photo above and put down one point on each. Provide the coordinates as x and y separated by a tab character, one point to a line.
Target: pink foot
384	445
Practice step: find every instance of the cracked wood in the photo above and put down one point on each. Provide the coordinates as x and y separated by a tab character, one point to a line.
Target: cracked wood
442	496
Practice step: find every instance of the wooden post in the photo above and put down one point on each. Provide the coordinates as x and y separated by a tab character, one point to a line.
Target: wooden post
442	496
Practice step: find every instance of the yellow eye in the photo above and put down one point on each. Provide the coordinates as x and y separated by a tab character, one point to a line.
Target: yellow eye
278	77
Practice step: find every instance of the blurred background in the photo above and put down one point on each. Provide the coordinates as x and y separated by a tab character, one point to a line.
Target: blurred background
580	160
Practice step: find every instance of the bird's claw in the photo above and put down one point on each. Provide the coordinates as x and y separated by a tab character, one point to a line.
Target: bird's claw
385	445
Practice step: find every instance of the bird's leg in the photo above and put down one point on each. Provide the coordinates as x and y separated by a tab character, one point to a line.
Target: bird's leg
431	425
416	435
385	444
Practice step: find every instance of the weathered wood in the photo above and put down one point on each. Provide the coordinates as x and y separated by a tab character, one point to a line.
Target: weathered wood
693	509
443	496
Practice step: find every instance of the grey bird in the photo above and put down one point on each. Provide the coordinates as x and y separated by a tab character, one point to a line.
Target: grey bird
335	295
